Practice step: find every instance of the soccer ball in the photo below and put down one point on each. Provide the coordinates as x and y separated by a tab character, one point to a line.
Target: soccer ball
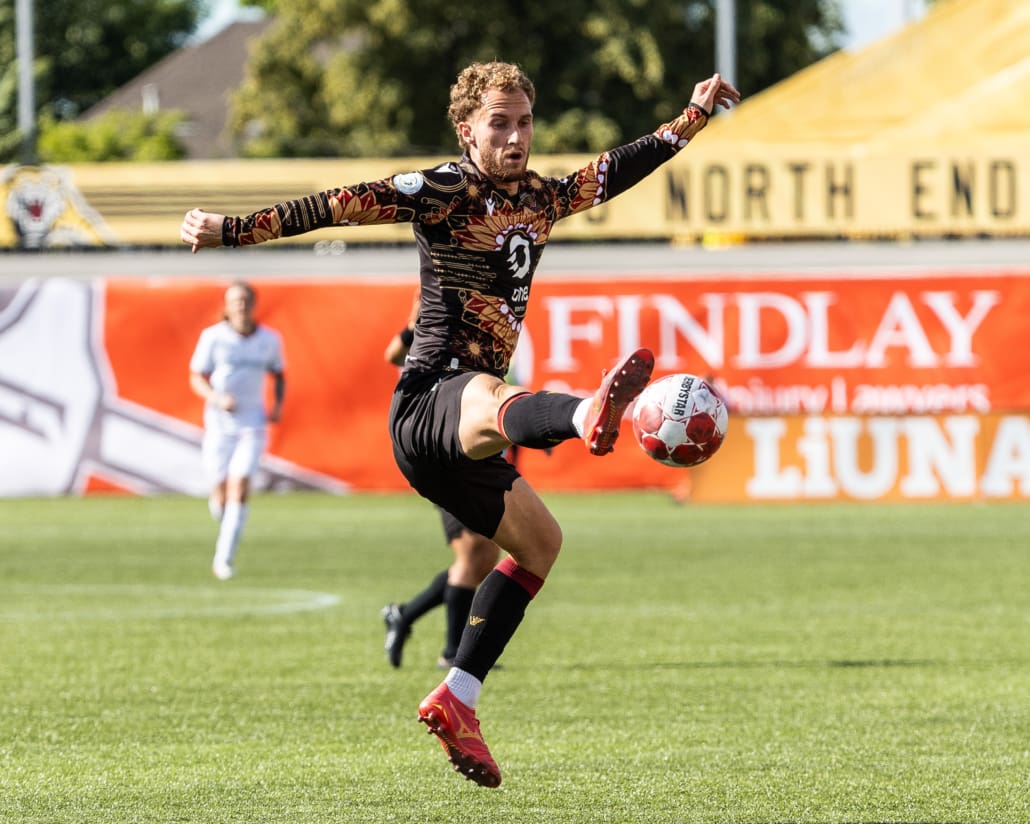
680	420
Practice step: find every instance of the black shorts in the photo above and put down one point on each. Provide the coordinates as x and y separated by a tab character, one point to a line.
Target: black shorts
424	416
452	527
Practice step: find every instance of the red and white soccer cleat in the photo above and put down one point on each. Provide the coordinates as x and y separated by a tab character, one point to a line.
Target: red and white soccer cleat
618	389
457	727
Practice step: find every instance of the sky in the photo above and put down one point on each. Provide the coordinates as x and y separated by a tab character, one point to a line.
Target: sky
870	20
866	20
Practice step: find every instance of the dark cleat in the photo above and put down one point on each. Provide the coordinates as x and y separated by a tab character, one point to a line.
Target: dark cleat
397	632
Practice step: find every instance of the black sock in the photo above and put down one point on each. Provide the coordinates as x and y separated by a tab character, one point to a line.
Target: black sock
539	420
429	598
496	612
459	602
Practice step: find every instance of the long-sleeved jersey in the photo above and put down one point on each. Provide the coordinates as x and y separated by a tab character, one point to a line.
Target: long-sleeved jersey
478	245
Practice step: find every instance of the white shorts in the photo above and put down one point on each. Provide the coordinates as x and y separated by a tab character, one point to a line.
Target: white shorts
232	454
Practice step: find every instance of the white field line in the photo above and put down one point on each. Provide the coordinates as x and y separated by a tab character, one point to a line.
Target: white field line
190	602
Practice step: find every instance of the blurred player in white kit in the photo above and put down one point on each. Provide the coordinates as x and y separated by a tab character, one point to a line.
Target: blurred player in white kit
228	371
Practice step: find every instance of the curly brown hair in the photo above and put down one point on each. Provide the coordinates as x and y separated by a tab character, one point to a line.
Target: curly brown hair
476	80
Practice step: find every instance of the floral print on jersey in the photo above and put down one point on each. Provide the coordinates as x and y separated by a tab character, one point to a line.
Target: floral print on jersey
491	231
497	326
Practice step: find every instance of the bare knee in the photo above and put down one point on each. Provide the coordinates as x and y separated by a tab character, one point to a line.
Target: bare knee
478	431
474	557
218	494
484	557
528	530
237	489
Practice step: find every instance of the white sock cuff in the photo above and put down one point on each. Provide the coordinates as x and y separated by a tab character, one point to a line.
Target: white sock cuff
233	520
579	417
464	686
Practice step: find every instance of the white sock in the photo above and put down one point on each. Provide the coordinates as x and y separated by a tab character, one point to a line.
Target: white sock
233	519
215	508
579	417
463	686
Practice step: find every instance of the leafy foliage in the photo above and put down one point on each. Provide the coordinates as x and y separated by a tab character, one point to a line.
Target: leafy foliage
84	50
371	77
117	135
9	135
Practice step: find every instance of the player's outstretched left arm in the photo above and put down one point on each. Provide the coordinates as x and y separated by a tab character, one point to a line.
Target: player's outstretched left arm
201	229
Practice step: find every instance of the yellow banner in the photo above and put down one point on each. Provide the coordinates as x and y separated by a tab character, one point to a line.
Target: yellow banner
737	190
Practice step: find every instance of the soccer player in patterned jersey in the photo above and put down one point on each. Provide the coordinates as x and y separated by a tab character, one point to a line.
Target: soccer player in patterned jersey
228	371
480	225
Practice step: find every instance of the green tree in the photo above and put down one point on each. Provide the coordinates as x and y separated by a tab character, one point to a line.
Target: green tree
9	136
84	50
117	135
371	77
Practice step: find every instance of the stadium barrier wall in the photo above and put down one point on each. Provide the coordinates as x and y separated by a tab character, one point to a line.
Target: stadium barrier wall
863	387
735	190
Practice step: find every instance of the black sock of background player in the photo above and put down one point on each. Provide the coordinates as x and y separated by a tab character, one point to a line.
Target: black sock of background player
459	602
497	610
538	420
427	599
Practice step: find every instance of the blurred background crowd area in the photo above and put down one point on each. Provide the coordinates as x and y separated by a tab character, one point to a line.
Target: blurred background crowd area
862	119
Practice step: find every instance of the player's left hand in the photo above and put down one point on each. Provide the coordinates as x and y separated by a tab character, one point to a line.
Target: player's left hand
715	91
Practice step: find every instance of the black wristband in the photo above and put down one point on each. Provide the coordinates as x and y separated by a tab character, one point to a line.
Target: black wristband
700	108
227	233
407	335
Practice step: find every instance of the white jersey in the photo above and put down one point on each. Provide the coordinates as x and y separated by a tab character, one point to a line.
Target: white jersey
237	364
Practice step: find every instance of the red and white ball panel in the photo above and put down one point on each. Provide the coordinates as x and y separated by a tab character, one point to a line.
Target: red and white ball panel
680	420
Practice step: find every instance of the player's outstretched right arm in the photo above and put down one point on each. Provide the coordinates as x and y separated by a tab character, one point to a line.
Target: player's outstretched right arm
201	229
364	204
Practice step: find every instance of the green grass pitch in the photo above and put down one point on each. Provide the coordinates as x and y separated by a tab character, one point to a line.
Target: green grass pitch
763	663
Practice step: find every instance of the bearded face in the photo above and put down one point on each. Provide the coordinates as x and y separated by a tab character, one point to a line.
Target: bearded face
499	136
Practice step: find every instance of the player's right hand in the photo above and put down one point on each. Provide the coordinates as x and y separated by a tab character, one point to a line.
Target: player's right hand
201	229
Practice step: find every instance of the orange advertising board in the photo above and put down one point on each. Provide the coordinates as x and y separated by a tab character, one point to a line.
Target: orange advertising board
861	387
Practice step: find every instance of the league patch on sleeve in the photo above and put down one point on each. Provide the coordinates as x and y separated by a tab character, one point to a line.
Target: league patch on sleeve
408	183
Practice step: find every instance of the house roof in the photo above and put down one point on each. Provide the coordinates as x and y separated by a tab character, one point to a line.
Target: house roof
197	79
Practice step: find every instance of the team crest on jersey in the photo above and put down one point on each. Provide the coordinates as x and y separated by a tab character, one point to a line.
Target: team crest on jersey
409	183
519	256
